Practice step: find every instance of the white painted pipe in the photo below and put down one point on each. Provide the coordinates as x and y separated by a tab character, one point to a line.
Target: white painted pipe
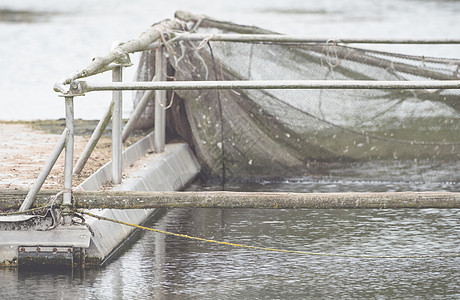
69	147
29	200
160	102
116	129
87	86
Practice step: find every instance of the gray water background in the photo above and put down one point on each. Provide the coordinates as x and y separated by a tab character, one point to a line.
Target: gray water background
45	40
62	36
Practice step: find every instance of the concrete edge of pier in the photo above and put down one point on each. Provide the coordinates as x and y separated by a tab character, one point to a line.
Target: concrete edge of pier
91	244
171	170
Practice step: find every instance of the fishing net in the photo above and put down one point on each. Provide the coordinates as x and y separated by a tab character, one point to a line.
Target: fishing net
315	132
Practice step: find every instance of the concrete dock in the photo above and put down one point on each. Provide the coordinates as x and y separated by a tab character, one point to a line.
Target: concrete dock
33	240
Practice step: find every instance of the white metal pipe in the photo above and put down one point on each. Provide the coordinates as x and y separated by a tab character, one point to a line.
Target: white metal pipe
160	102
269	84
149	40
280	38
94	139
116	129
68	166
142	43
62	87
29	200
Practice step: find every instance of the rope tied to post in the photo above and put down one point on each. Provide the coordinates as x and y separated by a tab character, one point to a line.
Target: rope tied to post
344	255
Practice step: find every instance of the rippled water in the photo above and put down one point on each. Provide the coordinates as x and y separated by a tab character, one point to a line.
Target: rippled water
165	267
50	39
371	176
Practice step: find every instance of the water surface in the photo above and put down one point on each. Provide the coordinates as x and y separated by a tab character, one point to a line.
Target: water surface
167	267
50	39
55	40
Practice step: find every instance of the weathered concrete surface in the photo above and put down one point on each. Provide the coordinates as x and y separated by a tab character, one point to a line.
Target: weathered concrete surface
25	150
168	171
22	156
73	237
103	176
76	236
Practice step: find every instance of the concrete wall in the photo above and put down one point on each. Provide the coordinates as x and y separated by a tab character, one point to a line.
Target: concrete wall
168	171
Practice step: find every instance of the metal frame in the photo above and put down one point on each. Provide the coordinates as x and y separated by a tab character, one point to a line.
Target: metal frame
118	58
68	166
117	159
87	86
160	101
281	38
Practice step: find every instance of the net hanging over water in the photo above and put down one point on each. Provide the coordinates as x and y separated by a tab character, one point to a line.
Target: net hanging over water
268	133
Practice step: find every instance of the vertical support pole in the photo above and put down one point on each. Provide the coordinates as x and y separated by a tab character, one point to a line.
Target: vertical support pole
160	102
92	143
68	166
116	129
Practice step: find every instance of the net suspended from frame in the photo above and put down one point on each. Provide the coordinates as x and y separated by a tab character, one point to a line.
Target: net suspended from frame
279	133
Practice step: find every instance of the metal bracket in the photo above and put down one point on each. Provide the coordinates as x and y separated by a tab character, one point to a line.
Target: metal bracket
53	257
75	89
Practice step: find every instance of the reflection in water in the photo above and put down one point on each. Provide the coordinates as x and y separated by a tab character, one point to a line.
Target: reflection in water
159	266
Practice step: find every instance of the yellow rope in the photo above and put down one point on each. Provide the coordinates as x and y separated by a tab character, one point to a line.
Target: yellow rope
264	248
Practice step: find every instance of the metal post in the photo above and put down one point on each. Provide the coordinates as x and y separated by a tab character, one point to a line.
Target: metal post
160	102
116	129
92	143
68	166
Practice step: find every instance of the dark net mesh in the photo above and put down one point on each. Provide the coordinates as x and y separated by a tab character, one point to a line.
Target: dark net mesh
411	135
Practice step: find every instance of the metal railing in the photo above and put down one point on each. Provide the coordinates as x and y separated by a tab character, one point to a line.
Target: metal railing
278	38
85	86
71	86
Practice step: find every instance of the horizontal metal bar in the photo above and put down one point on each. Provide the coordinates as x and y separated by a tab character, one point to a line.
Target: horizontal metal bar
60	86
220	199
144	200
84	86
279	38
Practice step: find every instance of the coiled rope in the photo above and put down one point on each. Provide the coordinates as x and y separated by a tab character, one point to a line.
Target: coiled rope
265	248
